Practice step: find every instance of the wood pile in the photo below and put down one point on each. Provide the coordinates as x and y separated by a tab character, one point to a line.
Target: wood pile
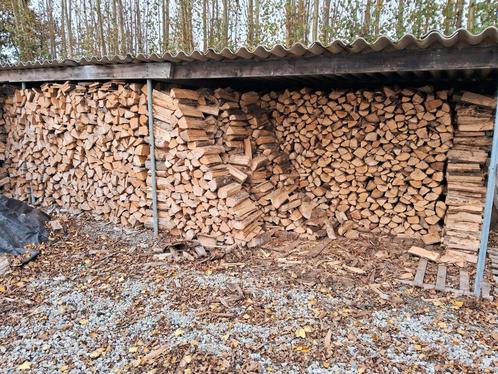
81	146
467	170
3	140
232	166
369	159
214	157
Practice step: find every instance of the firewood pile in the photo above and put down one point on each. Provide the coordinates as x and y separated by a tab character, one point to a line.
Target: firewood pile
373	160
467	171
3	140
216	157
80	146
232	166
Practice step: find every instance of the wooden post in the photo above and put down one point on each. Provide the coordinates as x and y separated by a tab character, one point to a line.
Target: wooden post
483	245
152	158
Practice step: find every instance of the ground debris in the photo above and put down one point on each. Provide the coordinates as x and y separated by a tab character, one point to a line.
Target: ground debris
292	306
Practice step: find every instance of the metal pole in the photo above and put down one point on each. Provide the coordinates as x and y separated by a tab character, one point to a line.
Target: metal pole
488	208
152	158
23	85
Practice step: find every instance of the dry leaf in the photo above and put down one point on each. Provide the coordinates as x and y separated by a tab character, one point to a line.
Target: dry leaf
327	341
300	333
26	365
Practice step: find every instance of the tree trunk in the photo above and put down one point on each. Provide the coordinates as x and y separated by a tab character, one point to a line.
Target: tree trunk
471	15
100	26
365	29
325	21
400	28
378	11
314	35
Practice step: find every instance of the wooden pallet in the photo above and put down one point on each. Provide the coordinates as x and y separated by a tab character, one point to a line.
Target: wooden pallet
440	285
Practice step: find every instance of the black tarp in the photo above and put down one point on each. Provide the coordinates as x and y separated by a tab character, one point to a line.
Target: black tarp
20	224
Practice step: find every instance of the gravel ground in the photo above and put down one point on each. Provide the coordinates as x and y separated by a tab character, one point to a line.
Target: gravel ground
98	300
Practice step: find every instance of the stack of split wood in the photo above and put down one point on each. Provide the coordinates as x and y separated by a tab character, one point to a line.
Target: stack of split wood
214	154
3	140
81	146
368	159
466	171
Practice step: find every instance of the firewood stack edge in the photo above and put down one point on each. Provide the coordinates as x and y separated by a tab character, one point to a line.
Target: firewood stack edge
466	171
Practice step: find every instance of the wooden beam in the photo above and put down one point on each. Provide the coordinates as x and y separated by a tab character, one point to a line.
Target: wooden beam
474	58
149	70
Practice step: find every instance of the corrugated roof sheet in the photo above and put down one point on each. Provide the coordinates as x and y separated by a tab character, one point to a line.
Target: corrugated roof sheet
435	40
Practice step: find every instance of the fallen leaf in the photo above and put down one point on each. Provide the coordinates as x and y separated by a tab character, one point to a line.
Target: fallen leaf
179	332
133	349
302	348
2	288
327	341
442	325
26	365
97	353
457	304
300	333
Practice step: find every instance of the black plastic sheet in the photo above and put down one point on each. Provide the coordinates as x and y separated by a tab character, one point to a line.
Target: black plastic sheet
20	224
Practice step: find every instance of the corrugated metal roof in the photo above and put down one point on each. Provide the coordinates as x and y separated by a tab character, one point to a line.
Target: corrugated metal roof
433	40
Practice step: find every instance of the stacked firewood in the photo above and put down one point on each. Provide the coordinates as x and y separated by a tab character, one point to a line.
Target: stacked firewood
466	171
3	139
218	163
370	159
81	146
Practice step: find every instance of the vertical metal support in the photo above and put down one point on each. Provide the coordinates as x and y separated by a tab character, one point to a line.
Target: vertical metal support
23	85
488	208
152	157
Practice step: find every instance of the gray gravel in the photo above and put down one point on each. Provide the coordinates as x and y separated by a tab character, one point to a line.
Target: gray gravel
75	319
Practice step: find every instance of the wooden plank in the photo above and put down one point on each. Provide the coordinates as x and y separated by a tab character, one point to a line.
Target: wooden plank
464	281
420	274
486	290
149	70
441	277
376	62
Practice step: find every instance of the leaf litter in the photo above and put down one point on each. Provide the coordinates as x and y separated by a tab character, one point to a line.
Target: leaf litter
99	299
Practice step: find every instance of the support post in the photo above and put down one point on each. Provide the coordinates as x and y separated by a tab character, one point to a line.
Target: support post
23	85
155	222
488	208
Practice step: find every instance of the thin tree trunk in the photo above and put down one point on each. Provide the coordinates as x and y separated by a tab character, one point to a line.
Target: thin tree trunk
400	29
471	15
459	13
365	29
250	23
314	36
378	11
325	21
205	16
100	28
121	21
225	24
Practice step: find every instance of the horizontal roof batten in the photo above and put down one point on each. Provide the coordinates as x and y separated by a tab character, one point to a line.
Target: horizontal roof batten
474	58
139	71
385	63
